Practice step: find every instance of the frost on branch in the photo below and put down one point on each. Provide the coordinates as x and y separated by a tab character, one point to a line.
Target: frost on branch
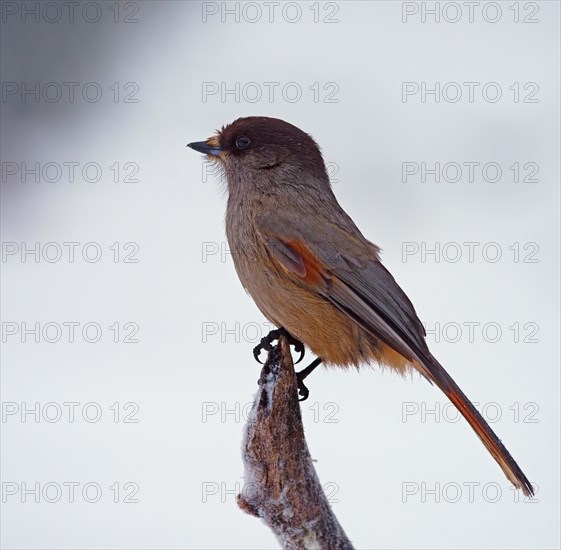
281	484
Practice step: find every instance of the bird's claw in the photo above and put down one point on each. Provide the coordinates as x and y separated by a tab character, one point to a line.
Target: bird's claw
266	342
303	391
256	351
299	347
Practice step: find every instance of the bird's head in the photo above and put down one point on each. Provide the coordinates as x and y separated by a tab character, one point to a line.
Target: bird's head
266	150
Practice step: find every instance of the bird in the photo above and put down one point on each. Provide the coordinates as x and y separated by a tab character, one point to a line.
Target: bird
311	271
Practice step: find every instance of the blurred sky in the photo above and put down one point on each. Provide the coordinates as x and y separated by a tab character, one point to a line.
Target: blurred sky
171	72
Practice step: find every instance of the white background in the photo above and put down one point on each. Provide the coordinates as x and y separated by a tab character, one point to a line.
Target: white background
378	466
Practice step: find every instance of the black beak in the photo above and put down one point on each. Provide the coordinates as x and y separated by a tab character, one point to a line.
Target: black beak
205	148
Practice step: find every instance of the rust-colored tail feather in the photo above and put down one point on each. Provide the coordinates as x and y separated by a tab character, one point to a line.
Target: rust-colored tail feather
435	372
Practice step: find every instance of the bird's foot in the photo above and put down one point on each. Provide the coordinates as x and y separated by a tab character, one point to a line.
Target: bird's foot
266	342
303	391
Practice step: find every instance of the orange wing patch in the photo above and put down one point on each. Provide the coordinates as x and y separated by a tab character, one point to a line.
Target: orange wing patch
314	269
297	258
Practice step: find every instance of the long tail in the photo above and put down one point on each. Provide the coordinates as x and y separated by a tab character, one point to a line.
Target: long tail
435	372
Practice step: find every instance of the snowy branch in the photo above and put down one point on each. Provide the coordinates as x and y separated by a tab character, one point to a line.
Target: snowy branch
281	485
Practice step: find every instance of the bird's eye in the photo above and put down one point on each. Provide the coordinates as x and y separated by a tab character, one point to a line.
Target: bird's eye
242	142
